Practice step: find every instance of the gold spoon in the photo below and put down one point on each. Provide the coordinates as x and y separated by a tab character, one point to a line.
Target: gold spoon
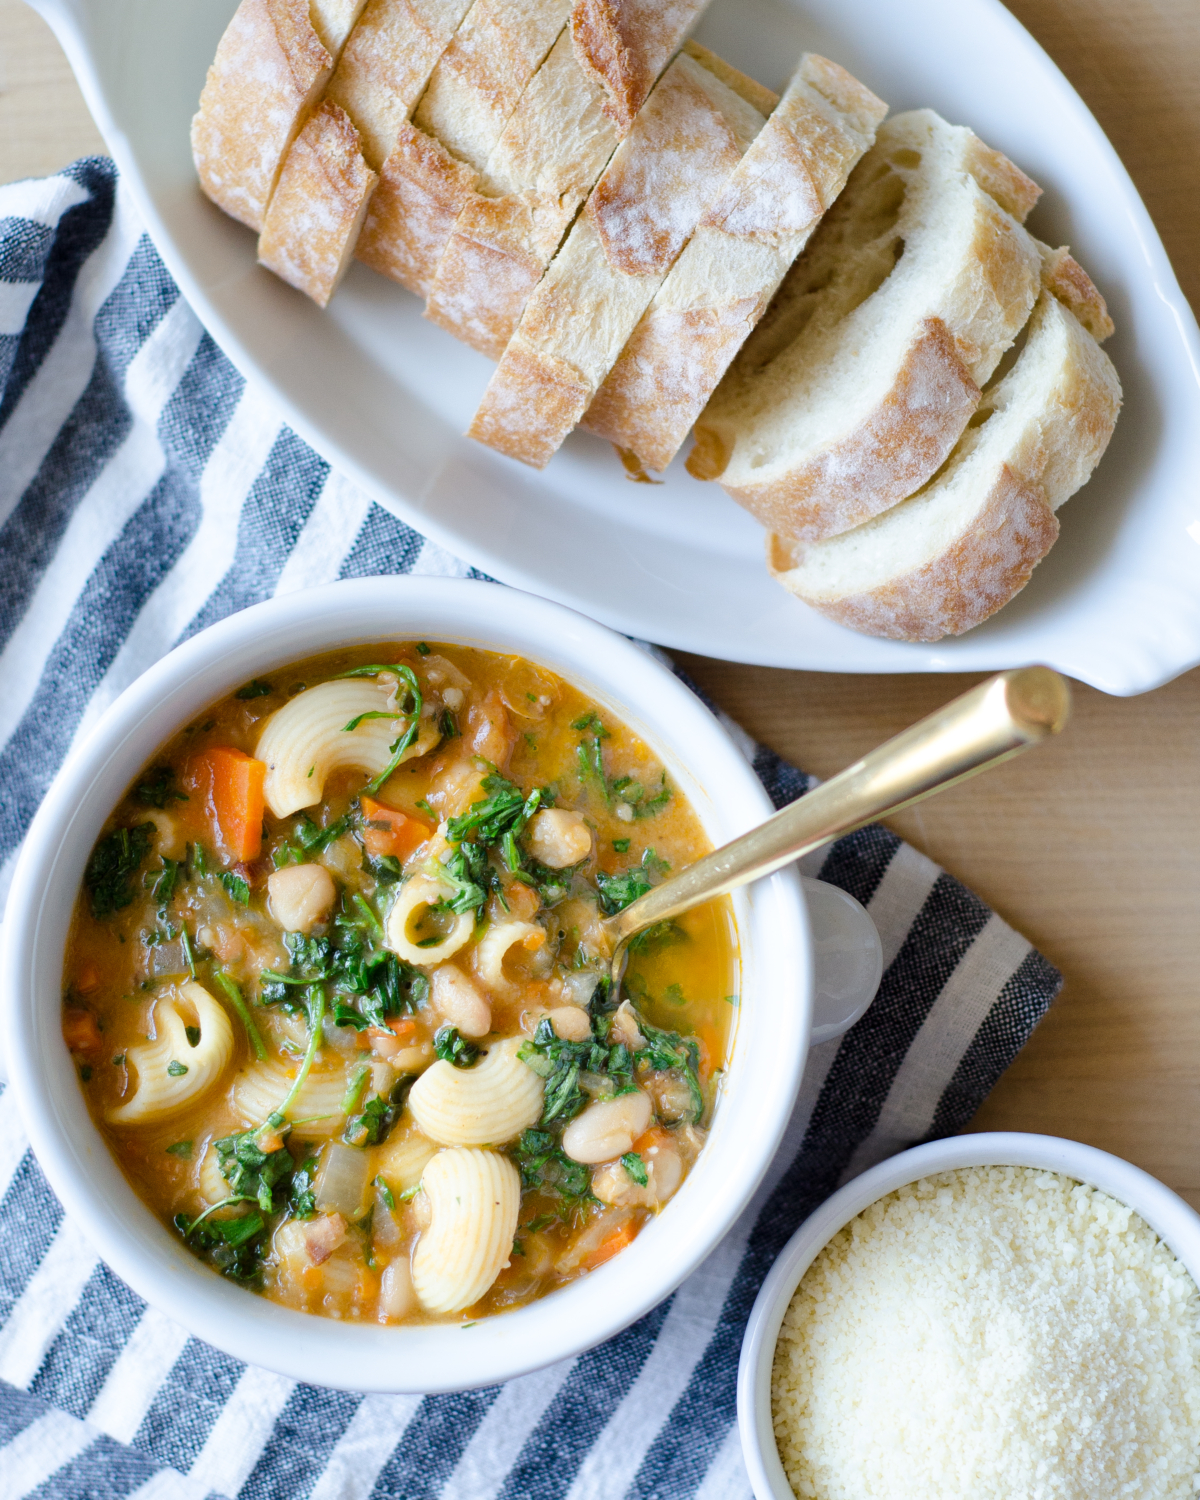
1000	718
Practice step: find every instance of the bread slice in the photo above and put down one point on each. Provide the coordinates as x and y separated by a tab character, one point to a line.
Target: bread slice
272	63
433	168
319	206
860	378
732	266
558	141
962	546
690	134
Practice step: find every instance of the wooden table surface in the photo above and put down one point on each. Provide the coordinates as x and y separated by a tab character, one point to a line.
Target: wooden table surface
1091	846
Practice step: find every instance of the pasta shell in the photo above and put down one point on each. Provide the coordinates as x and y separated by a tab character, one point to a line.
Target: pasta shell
487	1105
474	1199
403	1157
171	1071
307	739
414	896
495	945
263	1086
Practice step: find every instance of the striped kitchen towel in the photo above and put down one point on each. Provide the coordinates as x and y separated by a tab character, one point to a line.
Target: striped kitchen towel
145	491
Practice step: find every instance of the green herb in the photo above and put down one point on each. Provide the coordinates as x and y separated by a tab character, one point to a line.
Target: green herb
517	1247
652	805
409	1193
115	859
452	1048
467	874
398	747
186	944
560	1063
386	868
448	725
312	839
181	1149
546	1168
251	1172
354	1090
594	722
674	993
197	863
731	1000
621	889
193	1035
236	887
621	845
256	688
667	1051
302	1199
235	1246
158	788
422	649
425	808
385	1193
176	1069
378	1116
488	818
286	854
119	1060
236	999
85	1072
635	1168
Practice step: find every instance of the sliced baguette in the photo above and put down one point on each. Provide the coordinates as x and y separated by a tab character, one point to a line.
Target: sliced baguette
690	134
319	206
732	266
558	141
860	378
272	63
431	172
961	547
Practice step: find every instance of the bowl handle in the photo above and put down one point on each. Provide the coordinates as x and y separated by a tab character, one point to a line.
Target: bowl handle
847	958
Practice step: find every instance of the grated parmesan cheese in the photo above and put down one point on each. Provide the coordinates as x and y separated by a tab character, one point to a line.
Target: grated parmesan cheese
991	1332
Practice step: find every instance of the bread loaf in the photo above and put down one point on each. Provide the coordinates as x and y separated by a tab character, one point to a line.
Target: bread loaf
557	142
272	63
688	137
731	267
960	548
860	378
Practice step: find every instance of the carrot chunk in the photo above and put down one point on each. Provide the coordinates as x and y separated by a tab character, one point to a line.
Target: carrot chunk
387	830
80	1031
611	1246
231	783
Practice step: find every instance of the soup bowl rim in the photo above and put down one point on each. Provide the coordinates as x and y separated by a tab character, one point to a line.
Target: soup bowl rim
760	1087
1173	1219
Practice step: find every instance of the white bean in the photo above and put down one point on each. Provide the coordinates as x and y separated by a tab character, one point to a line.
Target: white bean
458	1002
607	1128
396	1295
300	896
613	1185
559	837
571	1023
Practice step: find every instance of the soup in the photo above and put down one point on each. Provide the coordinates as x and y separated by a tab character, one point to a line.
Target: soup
337	993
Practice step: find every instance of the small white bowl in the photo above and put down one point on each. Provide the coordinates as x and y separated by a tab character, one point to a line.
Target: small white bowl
774	1021
1166	1213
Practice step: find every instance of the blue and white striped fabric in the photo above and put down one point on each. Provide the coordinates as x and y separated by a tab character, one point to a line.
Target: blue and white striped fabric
145	491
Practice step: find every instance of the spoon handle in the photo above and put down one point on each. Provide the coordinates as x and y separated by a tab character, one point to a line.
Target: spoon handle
991	723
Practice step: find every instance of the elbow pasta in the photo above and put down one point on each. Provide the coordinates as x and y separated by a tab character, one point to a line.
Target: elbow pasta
307	740
474	1198
174	1071
487	1105
317	1111
384	1044
411	907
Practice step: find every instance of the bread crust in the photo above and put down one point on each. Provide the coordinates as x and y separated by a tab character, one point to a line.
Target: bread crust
1065	278
907	438
624	45
978	574
421	192
688	138
725	278
953	554
269	71
318	206
975	304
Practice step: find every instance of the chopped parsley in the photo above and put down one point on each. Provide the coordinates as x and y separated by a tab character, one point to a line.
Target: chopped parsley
158	788
621	845
181	1149
377	1117
545	1167
235	1246
193	1035
561	1064
635	1168
256	688
422	649
161	883
453	1048
368	984
176	1069
235	887
398	747
385	1192
115	860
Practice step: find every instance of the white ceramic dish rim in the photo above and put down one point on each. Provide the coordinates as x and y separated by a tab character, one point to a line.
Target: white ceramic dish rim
1116	605
762	1080
1173	1220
